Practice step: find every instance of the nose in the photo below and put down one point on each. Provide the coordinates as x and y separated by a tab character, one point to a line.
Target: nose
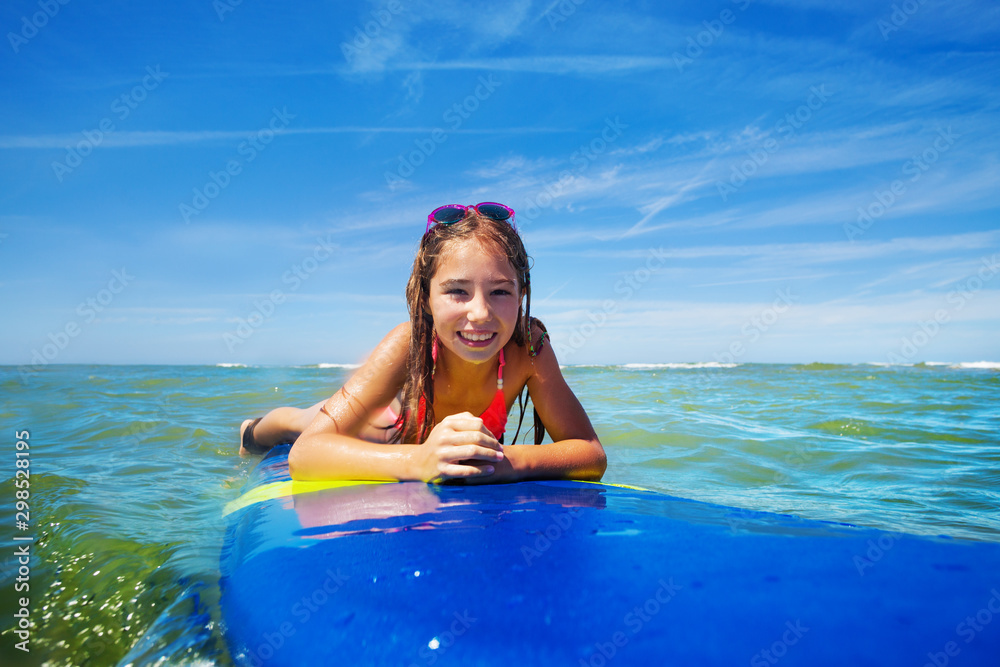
479	308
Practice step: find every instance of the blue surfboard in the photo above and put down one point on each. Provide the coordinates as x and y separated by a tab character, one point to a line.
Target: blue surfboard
578	573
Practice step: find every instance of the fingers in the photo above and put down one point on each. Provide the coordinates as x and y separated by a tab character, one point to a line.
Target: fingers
471	453
466	429
464	461
474	439
462	447
464	421
455	471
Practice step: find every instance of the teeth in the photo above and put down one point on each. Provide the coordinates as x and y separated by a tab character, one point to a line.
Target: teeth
475	337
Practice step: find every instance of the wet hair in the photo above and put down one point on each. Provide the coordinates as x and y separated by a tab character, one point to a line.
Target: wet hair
495	237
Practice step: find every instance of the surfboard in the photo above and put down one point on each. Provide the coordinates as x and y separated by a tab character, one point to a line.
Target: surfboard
578	573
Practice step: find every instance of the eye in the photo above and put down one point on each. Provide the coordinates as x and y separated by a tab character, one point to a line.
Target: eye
502	292
457	291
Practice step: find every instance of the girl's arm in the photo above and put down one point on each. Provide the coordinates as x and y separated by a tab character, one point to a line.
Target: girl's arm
329	448
575	451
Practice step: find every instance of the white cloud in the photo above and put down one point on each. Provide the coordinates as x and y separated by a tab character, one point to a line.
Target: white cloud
134	139
414	84
771	330
820	253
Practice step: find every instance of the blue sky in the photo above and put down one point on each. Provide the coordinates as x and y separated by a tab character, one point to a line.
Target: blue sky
766	181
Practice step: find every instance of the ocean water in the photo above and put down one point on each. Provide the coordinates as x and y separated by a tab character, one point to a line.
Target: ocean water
130	467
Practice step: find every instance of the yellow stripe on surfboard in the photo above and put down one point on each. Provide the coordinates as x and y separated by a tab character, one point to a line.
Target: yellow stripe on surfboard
287	488
620	486
292	487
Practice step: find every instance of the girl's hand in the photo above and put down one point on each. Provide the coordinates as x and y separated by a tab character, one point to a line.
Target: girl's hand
459	447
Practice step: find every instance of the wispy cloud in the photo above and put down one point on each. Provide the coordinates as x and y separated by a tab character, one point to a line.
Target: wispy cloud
678	193
770	279
134	139
590	209
787	255
582	65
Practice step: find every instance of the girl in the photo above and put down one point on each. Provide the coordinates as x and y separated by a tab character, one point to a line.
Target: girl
452	372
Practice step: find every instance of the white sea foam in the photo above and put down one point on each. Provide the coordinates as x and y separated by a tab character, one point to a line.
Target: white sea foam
684	365
989	365
336	366
224	365
986	365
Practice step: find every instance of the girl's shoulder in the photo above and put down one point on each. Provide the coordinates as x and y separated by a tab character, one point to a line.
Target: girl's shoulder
400	332
391	354
536	349
396	342
538	337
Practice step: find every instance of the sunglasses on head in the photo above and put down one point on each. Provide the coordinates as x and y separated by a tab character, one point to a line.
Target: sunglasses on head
452	213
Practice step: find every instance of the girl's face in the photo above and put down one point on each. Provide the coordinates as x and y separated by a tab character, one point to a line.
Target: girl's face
474	300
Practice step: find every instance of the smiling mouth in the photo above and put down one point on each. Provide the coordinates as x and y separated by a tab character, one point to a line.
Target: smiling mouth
476	337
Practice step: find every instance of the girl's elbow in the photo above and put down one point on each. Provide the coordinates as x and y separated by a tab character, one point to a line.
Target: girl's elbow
296	464
598	465
601	466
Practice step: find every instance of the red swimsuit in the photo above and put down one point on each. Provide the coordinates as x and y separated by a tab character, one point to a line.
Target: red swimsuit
495	417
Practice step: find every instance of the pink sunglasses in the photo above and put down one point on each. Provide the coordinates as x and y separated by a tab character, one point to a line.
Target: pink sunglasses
452	213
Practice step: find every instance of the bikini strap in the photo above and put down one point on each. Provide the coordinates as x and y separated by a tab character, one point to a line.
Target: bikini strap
434	356
500	371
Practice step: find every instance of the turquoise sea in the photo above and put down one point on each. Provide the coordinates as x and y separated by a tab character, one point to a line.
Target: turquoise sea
130	467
